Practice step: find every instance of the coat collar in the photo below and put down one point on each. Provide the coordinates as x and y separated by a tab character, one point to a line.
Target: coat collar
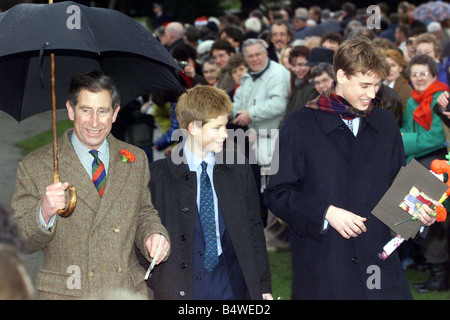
330	121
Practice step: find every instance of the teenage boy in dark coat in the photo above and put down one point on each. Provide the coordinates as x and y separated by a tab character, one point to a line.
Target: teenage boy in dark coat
338	156
241	270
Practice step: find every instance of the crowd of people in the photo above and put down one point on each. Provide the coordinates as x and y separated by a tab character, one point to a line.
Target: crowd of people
285	63
330	118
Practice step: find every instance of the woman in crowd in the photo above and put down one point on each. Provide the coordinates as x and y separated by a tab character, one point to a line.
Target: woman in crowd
422	130
396	78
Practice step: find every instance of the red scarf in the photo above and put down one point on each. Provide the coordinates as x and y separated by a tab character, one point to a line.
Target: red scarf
186	79
423	114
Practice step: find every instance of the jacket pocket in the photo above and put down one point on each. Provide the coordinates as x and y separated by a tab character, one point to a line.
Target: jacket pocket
58	283
137	274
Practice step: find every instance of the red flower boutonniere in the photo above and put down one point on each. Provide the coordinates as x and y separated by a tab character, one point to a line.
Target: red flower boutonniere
127	155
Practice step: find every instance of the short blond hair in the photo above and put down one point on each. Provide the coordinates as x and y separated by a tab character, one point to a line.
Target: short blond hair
360	55
202	103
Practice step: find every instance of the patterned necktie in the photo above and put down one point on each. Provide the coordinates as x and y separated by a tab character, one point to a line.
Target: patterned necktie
207	219
98	172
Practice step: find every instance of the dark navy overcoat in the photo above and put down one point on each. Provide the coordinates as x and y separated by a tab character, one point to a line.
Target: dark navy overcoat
321	164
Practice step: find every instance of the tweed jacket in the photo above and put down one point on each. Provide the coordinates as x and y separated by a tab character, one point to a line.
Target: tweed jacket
96	243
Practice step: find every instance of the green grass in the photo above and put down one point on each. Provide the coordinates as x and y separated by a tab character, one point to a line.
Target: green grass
280	267
43	138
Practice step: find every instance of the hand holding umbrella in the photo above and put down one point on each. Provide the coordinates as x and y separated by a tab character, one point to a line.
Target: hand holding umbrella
105	40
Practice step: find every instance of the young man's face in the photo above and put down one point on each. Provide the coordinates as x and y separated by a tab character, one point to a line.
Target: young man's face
358	89
220	57
92	117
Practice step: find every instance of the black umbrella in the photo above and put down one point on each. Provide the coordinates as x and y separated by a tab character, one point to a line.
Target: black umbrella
43	45
82	38
318	30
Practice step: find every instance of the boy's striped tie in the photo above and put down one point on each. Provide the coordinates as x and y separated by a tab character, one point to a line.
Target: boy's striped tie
98	172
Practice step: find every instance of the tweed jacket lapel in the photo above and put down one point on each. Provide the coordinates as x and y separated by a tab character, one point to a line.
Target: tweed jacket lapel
72	171
115	180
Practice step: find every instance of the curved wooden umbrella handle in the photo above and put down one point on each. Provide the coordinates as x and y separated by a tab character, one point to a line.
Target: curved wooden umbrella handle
67	212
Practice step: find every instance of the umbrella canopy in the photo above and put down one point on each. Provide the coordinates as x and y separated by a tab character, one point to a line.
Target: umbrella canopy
82	39
318	30
432	11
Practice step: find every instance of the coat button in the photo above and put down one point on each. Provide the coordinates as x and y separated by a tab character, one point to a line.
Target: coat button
200	253
183	237
182	293
119	269
185	209
355	260
91	274
199	278
116	229
186	177
183	265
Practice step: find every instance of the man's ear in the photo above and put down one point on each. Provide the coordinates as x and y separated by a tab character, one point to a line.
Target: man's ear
341	76
116	112
70	111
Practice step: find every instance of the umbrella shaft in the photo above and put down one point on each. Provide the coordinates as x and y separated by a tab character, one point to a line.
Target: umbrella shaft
55	137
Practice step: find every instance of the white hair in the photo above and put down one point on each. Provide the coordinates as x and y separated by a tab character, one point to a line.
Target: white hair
434	27
251	42
253	24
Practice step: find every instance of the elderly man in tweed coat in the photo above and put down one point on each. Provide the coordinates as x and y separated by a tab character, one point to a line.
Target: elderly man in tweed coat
91	253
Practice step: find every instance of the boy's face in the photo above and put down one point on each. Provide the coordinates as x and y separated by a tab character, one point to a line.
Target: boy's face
238	72
323	82
358	89
211	136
